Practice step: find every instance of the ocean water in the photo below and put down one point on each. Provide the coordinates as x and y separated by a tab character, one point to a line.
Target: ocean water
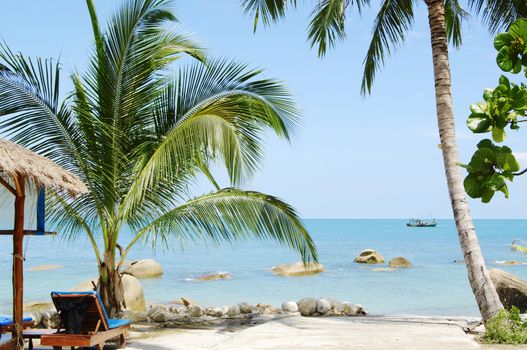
436	285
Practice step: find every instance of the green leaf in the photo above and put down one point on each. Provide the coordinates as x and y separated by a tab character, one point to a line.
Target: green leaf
473	186
487	94
503	80
480	107
479	122
487	196
498	134
504	59
485	143
483	160
501	40
517	67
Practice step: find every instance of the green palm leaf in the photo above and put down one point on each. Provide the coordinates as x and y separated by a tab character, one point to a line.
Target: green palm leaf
230	215
394	19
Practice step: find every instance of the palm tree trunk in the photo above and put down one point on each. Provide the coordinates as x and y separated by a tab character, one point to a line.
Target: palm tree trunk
111	286
486	296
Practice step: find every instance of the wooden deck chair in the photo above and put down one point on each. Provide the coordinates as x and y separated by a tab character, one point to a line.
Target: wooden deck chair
84	322
6	323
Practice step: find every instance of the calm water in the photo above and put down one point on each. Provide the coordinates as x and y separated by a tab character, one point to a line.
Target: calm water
436	285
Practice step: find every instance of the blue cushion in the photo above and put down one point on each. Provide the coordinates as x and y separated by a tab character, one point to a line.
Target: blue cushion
115	323
8	320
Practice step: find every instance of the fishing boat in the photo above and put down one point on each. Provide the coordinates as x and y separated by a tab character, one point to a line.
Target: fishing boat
421	223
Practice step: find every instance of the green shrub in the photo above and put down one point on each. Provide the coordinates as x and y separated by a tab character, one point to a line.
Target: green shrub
506	328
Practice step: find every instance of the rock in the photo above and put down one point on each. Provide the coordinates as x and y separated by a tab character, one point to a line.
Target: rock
245	308
369	256
193	311
323	306
214	276
233	311
50	319
336	307
45	268
160	316
289	306
353	310
511	289
39	306
400	262
36	316
262	308
272	311
215	312
307	306
133	292
145	268
459	261
298	269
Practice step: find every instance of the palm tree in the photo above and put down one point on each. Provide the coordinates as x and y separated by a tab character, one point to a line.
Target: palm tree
139	137
394	19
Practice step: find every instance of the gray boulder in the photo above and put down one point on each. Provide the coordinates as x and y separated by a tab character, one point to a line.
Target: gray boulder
298	269
193	311
289	307
145	268
323	306
307	306
511	289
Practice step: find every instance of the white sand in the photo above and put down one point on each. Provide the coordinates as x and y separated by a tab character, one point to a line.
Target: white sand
301	333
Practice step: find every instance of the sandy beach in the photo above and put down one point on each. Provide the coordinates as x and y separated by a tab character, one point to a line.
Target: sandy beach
301	333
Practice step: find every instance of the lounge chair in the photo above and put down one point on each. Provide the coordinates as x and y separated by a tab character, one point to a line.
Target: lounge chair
6	323
84	322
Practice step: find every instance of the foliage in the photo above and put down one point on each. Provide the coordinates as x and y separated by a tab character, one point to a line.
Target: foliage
394	20
504	106
506	328
139	137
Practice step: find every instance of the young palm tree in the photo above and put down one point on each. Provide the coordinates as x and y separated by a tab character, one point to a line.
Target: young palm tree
394	19
139	137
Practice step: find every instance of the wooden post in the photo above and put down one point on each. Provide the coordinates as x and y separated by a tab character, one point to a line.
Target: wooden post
18	261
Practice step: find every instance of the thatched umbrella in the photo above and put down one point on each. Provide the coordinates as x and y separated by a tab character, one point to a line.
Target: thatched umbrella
18	167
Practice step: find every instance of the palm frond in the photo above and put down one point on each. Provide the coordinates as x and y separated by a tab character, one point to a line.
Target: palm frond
454	17
327	24
267	11
212	113
394	19
498	15
230	215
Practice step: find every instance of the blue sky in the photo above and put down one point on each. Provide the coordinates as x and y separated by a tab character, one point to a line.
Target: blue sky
354	157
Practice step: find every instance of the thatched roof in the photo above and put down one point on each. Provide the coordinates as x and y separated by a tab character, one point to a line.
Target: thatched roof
15	159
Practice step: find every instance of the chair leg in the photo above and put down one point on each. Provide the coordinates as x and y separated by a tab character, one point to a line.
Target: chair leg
122	341
57	348
30	345
99	346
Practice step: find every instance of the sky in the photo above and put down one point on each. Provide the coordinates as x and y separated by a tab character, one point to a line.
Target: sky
353	157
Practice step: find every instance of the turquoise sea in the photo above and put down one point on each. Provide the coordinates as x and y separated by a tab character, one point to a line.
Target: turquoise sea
435	286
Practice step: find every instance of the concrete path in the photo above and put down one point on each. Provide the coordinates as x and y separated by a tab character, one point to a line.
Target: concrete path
300	333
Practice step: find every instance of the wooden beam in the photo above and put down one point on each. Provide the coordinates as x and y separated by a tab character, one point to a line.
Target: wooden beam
18	260
7	185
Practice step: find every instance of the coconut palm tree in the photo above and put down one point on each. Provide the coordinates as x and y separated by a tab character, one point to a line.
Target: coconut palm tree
139	137
394	19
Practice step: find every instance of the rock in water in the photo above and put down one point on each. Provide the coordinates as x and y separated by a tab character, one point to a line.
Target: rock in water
214	276
323	306
133	292
45	268
369	256
307	306
400	262
289	306
511	289
146	268
194	311
298	269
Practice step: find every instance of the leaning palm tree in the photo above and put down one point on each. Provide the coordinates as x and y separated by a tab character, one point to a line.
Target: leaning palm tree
394	19
139	137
